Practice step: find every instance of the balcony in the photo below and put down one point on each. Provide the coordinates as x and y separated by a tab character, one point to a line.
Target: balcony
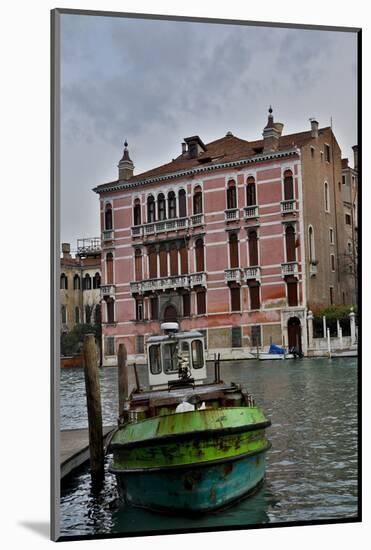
154	228
107	235
289	268
288	207
197	279
252	273
232	214
164	283
107	290
251	212
196	219
234	275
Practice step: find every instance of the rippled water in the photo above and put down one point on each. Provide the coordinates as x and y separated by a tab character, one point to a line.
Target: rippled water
311	469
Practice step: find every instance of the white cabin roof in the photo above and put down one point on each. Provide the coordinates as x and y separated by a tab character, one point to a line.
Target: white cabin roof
175	336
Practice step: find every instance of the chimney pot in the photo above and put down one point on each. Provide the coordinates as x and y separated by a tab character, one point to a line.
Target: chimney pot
184	147
66	250
314	127
355	157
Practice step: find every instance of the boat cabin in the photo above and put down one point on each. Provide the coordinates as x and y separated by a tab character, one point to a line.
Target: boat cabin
175	357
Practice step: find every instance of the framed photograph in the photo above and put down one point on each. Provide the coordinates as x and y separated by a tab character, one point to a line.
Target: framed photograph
205	279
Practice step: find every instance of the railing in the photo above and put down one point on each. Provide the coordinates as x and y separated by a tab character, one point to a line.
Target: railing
107	234
159	227
231	214
251	212
162	283
107	290
197	219
197	279
288	206
289	268
233	275
252	272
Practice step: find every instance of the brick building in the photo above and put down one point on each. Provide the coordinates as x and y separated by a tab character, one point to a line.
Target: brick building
234	238
349	259
80	283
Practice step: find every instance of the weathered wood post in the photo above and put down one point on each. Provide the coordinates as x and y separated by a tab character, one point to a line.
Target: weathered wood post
352	327
94	411
310	329
324	326
328	343
123	376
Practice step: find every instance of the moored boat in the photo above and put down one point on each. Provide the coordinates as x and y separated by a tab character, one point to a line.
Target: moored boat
186	444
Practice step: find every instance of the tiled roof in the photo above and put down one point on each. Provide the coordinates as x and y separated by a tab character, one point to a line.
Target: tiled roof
226	149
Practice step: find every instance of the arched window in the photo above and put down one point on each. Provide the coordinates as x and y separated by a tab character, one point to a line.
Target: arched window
233	250
110	310
231	195
197	200
88	310
138	265
183	259
288	185
109	268
171	204
163	261
137	212
96	281
327	197
64	314
97	314
290	244
87	282
250	192
200	260
64	282
77	315
161	207
173	260
152	262
253	248
76	282
312	253
182	204
108	217
151	213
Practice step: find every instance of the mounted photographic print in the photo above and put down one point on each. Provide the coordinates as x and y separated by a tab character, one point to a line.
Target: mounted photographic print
205	275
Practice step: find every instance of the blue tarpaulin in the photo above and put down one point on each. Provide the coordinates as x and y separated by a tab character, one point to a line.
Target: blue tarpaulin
276	349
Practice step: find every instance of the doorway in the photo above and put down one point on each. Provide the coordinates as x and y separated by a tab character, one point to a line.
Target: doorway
170	314
294	333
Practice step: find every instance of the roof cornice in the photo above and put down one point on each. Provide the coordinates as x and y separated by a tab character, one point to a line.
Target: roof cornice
118	185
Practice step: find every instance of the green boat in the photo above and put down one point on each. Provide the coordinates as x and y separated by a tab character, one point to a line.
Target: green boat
187	445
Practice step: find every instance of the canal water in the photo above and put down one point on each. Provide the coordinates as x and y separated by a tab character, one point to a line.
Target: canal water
311	471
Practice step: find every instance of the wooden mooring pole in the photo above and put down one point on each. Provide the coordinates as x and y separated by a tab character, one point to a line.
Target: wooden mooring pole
94	411
123	377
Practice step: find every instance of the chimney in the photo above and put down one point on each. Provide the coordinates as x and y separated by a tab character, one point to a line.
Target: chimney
66	250
184	147
126	166
314	127
271	133
355	156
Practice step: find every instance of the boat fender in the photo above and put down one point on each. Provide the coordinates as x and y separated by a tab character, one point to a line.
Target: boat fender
184	407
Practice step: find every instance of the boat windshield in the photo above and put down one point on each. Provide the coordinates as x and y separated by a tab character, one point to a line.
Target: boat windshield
197	354
155	359
170	356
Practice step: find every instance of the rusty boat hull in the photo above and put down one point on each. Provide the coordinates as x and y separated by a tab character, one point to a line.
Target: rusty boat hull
191	462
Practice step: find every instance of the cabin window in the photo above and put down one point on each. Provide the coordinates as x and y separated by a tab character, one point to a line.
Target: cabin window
250	192
197	354
171	201
231	195
197	200
185	350
155	359
151	213
170	357
108	217
161	207
76	282
182	204
64	282
137	212
139	343
288	185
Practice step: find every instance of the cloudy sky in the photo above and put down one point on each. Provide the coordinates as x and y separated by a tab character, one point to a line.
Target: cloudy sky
156	82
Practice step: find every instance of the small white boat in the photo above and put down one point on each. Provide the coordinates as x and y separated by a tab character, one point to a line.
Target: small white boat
266	356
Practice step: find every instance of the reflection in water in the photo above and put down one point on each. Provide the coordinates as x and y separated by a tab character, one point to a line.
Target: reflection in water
311	468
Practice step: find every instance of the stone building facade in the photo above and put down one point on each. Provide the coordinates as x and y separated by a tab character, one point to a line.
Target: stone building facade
231	237
80	283
349	258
